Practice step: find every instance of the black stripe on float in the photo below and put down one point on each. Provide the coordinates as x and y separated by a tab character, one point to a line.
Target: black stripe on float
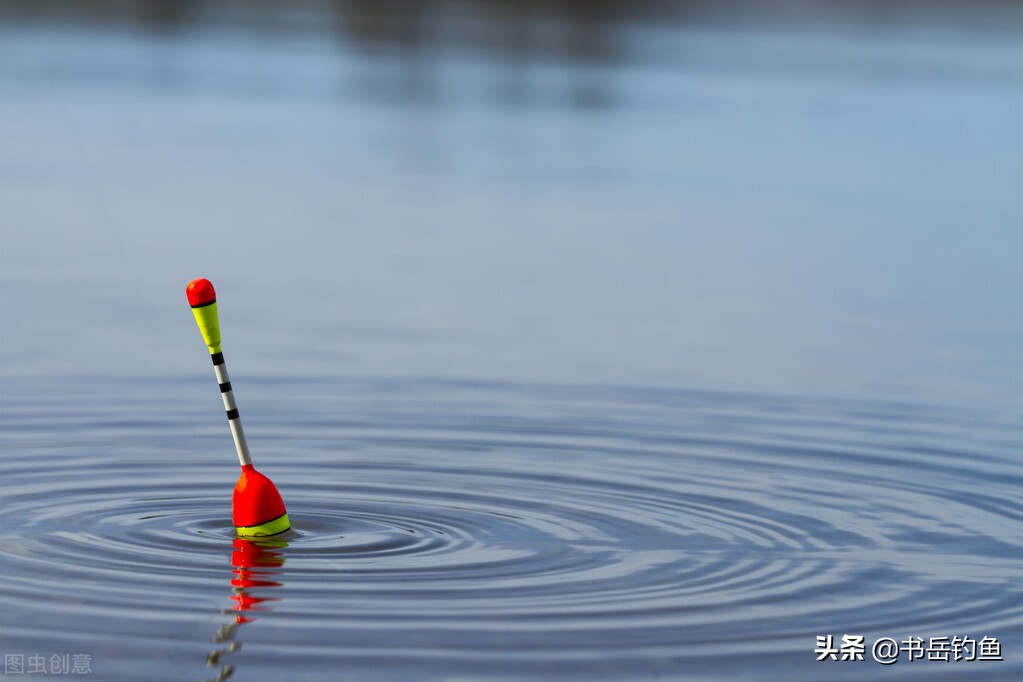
225	387
203	305
232	414
218	358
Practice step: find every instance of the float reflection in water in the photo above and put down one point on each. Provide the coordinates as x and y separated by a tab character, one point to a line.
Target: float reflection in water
256	564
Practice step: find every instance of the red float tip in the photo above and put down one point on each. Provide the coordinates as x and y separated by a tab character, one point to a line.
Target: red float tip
200	292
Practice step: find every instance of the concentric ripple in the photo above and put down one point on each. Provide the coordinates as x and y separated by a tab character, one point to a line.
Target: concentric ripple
475	531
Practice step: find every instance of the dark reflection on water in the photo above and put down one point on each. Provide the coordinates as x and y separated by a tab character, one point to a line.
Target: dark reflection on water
405	21
583	31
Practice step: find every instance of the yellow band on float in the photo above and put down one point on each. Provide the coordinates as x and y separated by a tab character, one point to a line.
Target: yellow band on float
209	324
278	525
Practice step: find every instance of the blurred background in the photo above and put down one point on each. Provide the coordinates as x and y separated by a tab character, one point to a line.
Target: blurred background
808	197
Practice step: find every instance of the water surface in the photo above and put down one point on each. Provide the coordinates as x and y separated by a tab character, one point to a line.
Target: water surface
456	530
585	341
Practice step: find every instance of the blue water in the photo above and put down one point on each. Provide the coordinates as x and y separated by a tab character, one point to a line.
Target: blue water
506	531
638	343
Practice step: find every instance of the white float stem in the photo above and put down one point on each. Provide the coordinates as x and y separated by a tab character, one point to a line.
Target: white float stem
232	410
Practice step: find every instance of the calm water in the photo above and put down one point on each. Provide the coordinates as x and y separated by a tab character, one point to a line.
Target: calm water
583	340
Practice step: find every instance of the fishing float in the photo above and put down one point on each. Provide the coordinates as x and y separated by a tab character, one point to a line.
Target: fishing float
257	508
